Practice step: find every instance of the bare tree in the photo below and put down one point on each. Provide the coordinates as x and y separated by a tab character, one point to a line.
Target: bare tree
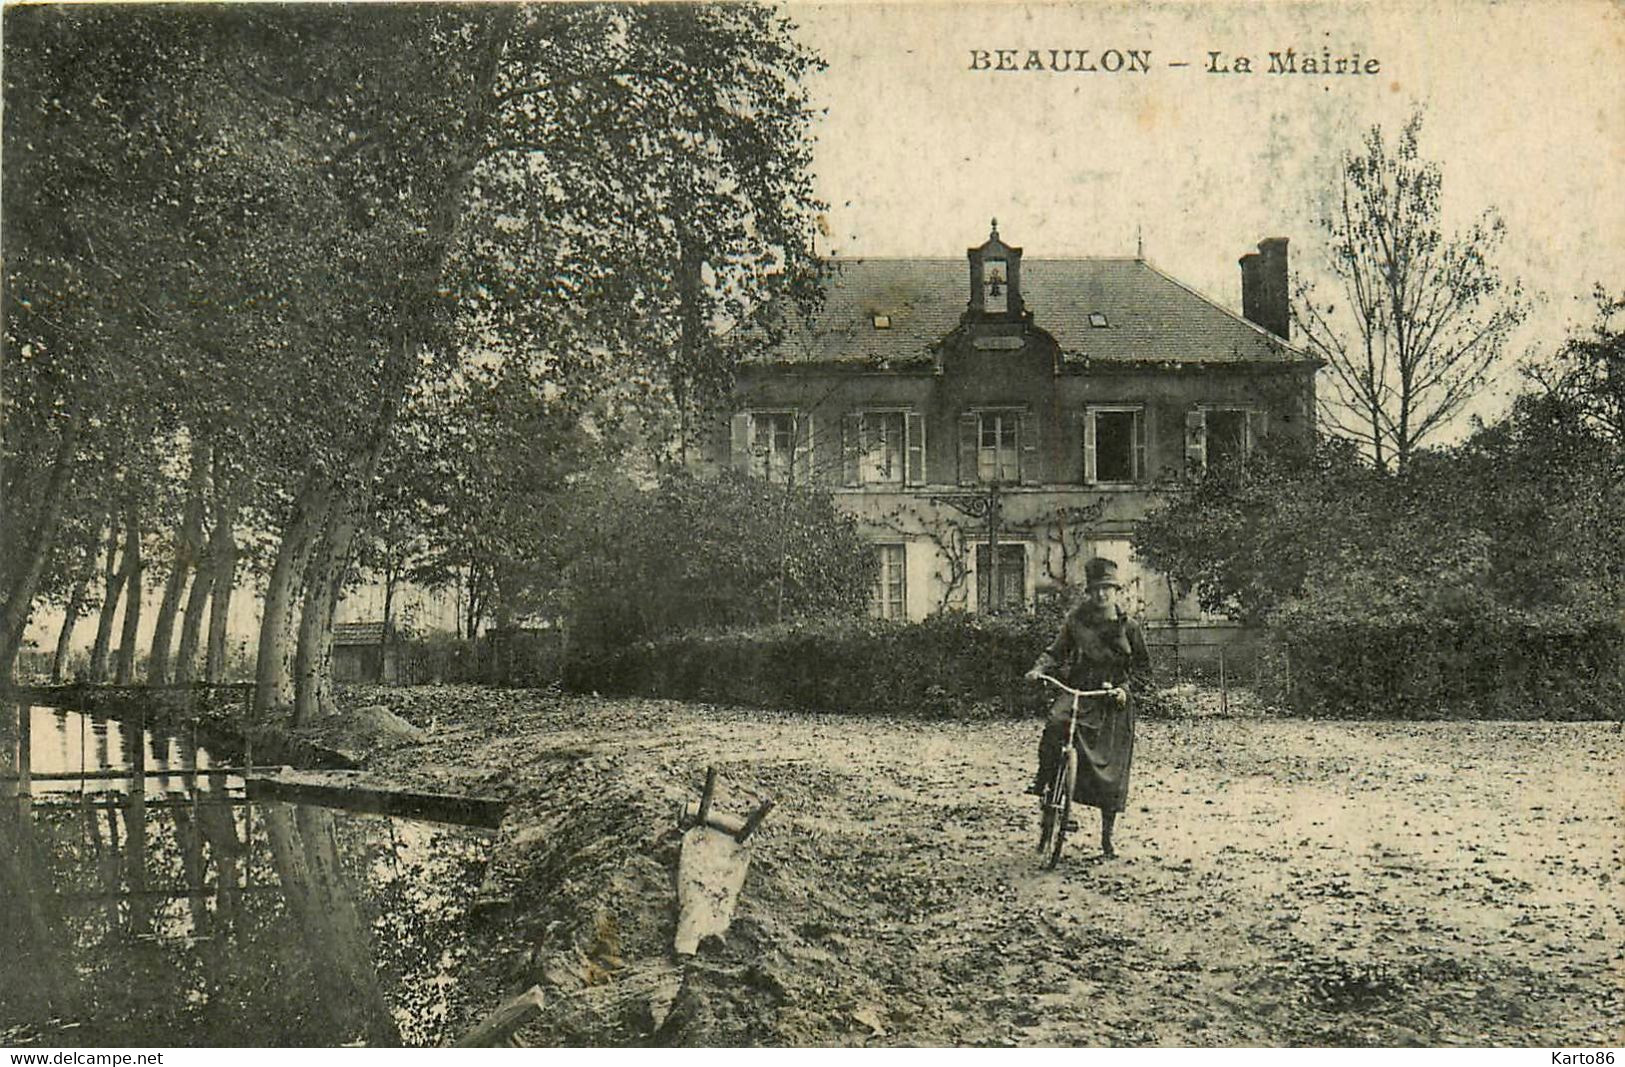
1422	316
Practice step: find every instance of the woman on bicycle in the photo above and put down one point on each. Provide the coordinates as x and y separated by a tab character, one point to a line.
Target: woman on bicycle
1098	647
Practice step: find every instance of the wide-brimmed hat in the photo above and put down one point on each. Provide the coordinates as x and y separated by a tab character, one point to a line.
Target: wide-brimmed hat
1099	571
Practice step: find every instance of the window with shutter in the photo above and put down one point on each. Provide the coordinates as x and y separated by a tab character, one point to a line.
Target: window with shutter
1223	435
1012	577
1258	427
998	454
771	441
1226	436
884	448
1113	445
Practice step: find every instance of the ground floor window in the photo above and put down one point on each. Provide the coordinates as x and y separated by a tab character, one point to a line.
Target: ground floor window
891	582
1012	587
1226	436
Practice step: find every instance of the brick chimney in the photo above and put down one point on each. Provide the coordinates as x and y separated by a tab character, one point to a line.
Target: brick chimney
1264	297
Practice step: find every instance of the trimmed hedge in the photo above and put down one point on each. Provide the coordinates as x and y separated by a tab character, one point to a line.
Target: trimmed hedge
1494	664
952	664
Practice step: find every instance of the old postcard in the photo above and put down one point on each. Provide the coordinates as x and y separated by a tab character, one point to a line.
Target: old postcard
818	525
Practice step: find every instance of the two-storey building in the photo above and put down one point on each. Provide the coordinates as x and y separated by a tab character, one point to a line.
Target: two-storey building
994	422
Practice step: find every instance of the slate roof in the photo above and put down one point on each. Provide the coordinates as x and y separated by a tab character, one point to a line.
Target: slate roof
1150	317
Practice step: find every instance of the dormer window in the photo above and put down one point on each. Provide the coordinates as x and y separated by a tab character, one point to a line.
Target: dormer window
1097	319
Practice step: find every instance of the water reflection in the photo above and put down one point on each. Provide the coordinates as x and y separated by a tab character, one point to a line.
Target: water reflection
178	912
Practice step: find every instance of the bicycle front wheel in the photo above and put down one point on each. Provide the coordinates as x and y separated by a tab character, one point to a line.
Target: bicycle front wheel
1046	816
1060	812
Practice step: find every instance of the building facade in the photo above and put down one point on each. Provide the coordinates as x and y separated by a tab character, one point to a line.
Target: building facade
994	422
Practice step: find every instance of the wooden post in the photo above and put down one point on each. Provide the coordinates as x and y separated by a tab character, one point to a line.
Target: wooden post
754	821
1224	686
25	755
706	794
499	1027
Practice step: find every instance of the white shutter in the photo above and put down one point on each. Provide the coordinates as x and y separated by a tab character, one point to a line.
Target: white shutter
1148	417
851	447
1195	440
970	426
827	458
739	442
1139	445
801	468
915	439
1258	426
1089	470
1027	448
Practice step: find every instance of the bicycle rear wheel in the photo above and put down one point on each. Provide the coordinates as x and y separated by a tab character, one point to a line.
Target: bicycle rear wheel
1067	779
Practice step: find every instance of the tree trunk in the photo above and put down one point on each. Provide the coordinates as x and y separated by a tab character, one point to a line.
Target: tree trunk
222	582
390	575
325	581
316	624
70	618
273	665
197	600
125	671
19	603
114	575
188	546
312	687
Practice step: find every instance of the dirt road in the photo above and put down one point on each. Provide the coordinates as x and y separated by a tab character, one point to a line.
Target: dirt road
1279	882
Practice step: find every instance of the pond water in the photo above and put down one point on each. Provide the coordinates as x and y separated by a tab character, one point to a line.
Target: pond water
148	901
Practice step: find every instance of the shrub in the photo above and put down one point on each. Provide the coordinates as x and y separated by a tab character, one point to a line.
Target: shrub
951	665
440	658
1488	663
694	553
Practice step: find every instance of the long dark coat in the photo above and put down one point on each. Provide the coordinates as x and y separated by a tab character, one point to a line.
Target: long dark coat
1094	651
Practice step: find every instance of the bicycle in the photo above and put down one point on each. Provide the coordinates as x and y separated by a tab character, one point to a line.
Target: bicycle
1057	798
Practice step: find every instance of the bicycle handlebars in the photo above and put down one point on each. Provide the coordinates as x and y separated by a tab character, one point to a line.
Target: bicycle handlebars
1080	692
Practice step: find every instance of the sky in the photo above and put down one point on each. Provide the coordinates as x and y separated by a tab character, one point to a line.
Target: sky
1524	110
